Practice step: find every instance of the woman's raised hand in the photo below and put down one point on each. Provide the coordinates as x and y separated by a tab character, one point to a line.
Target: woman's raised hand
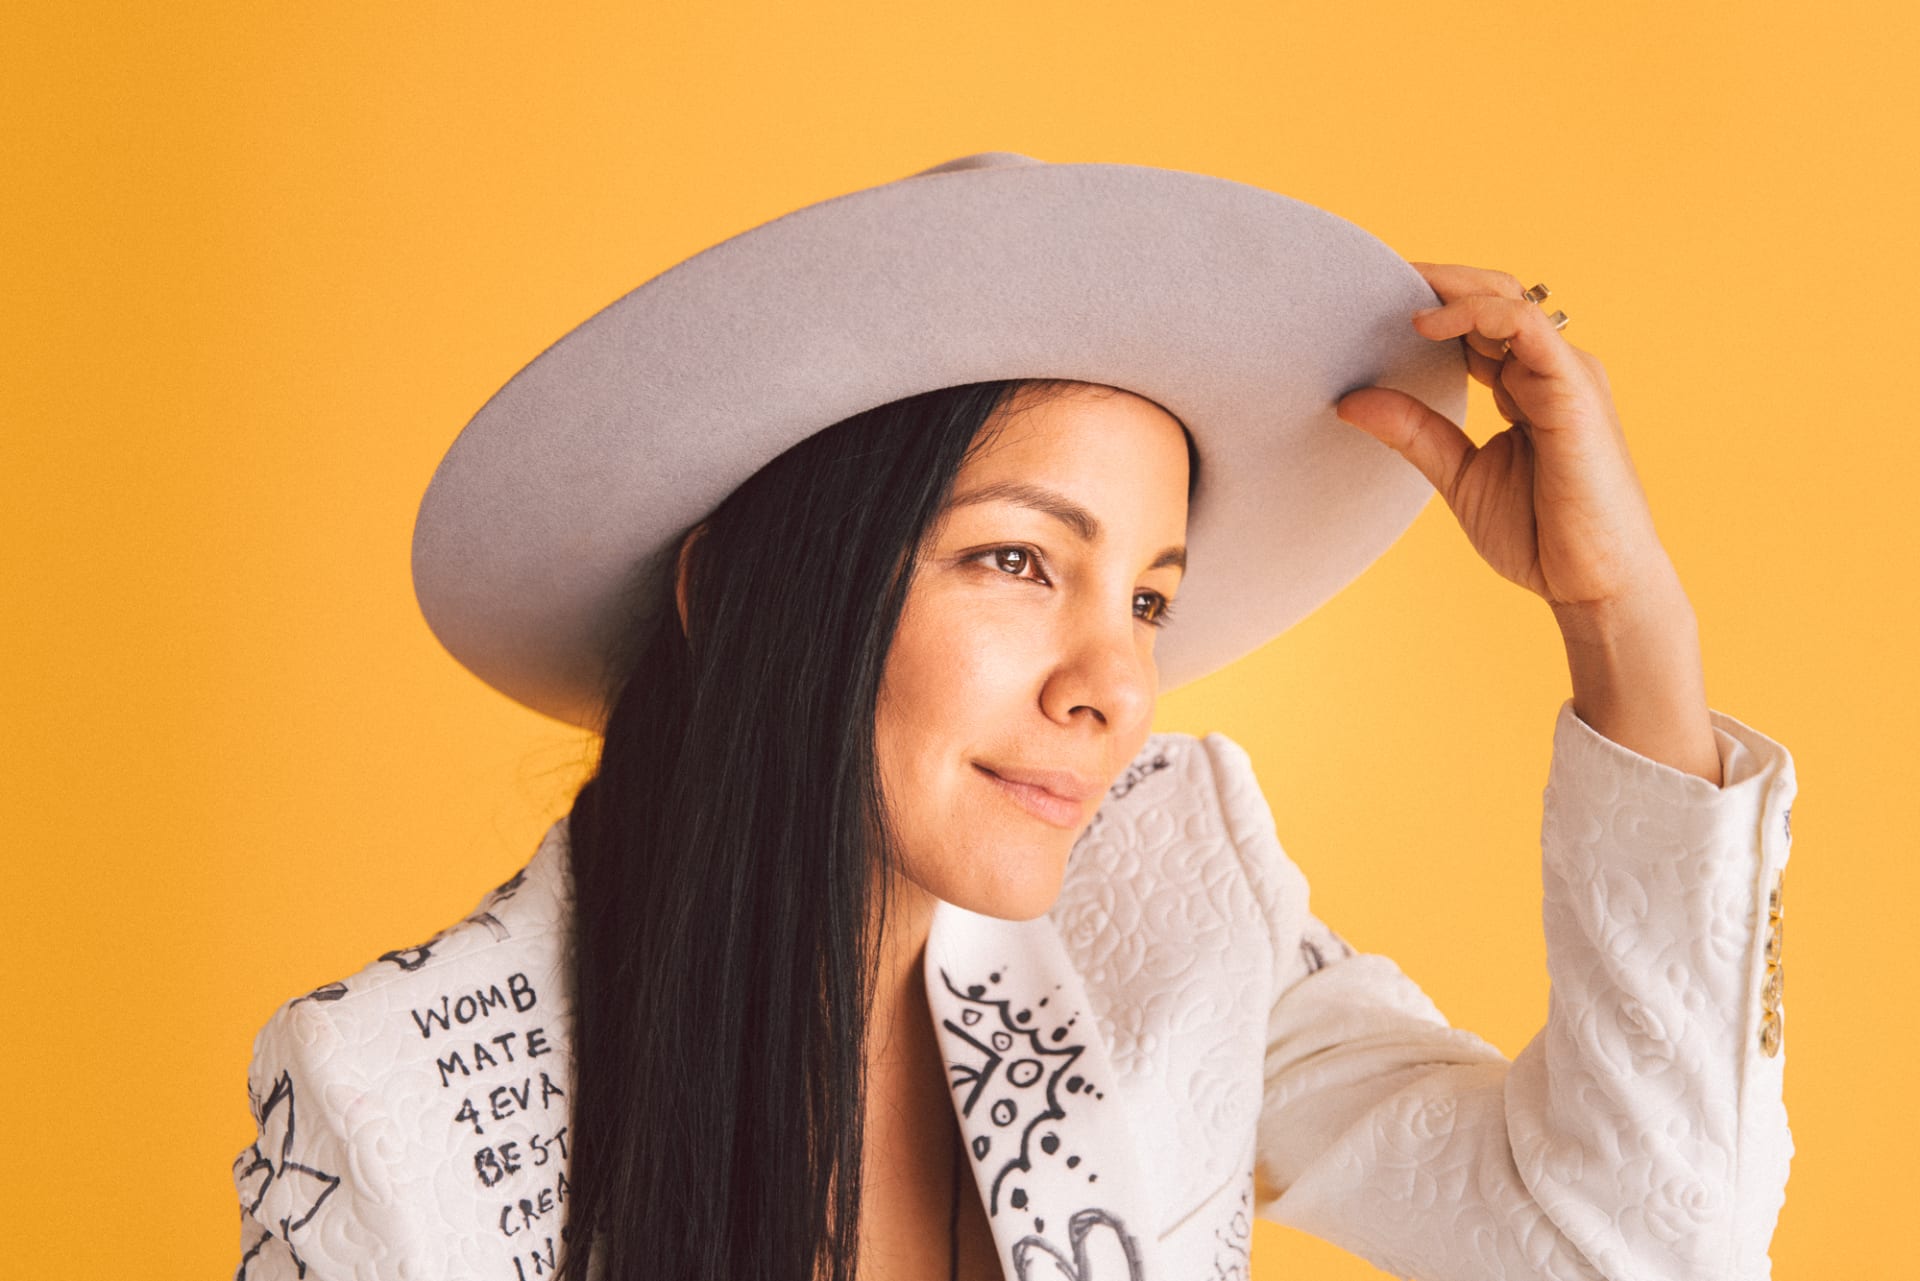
1553	502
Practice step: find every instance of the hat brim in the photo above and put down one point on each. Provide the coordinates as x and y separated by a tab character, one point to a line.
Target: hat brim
1244	313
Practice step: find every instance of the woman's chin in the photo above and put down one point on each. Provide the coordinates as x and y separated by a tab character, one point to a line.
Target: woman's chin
1025	896
1008	872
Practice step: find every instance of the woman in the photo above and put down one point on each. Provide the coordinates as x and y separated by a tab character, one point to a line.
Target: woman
887	940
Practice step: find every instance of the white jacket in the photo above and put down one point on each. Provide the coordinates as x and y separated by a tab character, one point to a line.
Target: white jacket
1178	1046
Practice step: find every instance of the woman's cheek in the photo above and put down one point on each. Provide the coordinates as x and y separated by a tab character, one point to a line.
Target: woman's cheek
998	652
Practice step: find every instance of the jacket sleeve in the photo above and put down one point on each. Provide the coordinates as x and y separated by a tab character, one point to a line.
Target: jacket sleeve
1641	1135
411	1120
307	1209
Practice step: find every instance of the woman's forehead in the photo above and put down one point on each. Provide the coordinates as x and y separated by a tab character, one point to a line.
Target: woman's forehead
1103	461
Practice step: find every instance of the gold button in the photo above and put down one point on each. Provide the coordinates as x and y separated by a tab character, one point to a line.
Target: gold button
1770	1034
1773	895
1773	942
1776	985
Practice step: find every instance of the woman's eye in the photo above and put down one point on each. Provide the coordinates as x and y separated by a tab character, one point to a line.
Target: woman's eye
1014	560
1158	608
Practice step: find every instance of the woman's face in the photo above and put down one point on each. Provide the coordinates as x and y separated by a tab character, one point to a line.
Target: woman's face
1021	680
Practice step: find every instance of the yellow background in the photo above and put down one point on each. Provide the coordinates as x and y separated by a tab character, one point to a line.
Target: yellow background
263	260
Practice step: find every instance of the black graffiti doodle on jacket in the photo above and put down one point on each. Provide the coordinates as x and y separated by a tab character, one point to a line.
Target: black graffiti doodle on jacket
1138	773
272	1160
1233	1259
1077	1262
1018	1063
1312	955
412	958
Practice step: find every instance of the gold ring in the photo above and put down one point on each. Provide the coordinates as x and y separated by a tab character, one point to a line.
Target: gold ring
1536	294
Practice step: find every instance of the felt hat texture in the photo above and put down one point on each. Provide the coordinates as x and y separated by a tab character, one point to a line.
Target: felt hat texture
1244	313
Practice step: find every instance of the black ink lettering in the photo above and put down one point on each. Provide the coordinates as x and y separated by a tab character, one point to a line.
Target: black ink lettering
505	1100
488	1167
495	1164
542	1264
431	1017
502	1041
543	1146
468	1114
519	1216
478	1004
456	1061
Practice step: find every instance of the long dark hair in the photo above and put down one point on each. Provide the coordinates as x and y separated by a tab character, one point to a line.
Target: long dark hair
729	855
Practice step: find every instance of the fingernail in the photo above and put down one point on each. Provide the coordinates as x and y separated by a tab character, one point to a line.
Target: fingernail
1425	311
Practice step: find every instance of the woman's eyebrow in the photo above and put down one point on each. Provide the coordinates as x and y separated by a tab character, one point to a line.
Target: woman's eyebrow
1063	509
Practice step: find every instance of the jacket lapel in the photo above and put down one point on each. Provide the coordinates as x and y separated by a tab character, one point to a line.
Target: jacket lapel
1051	1147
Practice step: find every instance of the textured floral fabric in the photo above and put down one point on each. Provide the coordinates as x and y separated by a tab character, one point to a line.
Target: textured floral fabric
1179	1046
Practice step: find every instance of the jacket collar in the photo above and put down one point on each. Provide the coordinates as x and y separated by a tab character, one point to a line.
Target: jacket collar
1048	1137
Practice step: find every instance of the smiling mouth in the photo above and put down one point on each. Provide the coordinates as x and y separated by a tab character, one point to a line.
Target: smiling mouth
1048	807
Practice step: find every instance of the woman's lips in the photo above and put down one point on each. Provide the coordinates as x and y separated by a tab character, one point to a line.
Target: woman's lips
1049	807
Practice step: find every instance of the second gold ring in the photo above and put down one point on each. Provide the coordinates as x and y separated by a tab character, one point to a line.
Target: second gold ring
1539	293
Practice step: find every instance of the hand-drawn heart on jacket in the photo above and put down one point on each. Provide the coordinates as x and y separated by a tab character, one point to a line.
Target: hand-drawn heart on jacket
1102	1251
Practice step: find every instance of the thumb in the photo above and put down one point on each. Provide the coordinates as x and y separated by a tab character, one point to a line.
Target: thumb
1425	438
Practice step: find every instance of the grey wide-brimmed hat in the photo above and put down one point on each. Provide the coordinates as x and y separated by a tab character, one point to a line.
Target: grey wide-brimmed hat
1244	313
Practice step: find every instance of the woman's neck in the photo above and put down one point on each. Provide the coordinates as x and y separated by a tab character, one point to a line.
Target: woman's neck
900	1027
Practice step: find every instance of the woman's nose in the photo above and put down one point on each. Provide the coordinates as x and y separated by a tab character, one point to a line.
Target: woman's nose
1105	670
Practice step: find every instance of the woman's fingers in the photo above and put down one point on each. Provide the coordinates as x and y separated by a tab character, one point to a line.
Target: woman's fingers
1556	506
1456	280
1487	320
1452	281
1486	370
1428	440
1507	338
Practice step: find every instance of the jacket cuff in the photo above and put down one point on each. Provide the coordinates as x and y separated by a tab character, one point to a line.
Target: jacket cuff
1661	896
1745	754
